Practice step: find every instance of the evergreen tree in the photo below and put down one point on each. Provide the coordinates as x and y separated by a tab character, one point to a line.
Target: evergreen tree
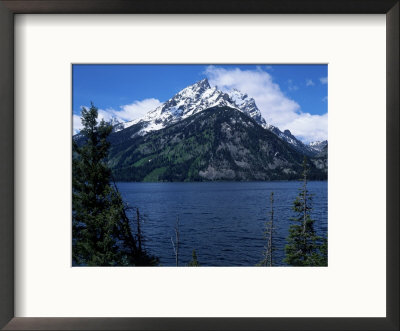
194	262
322	256
304	247
100	227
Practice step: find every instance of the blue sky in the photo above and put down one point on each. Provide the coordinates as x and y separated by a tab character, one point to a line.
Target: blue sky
291	97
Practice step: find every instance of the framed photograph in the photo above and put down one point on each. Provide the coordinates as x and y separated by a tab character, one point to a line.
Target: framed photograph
176	168
167	169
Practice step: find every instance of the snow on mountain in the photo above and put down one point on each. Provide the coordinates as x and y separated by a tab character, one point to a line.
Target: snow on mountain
318	145
200	96
292	140
192	100
247	105
185	103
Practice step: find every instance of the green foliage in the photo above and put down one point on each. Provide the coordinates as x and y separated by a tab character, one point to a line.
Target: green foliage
322	256
185	150
101	235
154	175
194	262
304	247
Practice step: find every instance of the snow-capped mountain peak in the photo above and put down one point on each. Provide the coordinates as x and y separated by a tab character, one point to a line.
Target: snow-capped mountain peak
185	103
200	96
193	91
196	98
247	105
318	145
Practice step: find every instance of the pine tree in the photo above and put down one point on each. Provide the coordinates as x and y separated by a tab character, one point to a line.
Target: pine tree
304	247
194	262
100	227
322	256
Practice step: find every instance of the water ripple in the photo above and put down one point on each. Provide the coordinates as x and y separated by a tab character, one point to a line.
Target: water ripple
223	222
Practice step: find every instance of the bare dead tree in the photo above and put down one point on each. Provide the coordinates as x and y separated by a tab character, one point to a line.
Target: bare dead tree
139	230
175	245
305	198
268	234
129	238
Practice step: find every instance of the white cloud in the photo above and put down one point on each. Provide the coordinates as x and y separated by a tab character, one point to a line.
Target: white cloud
126	113
292	86
136	109
76	123
309	127
324	80
275	106
309	82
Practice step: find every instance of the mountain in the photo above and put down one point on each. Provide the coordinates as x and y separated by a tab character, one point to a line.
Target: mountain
203	133
247	105
193	99
200	96
293	141
187	102
320	160
217	143
318	146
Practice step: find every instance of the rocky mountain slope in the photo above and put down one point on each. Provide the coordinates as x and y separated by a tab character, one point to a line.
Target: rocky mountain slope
218	143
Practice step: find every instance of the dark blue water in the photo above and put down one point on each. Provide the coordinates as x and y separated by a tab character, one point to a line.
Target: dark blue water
223	221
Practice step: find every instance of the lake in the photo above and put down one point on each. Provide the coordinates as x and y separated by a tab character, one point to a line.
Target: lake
223	221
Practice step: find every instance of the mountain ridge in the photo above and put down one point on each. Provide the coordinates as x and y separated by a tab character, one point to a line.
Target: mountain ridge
205	134
200	96
220	143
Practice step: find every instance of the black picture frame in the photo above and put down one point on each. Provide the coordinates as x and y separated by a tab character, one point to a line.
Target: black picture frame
8	8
